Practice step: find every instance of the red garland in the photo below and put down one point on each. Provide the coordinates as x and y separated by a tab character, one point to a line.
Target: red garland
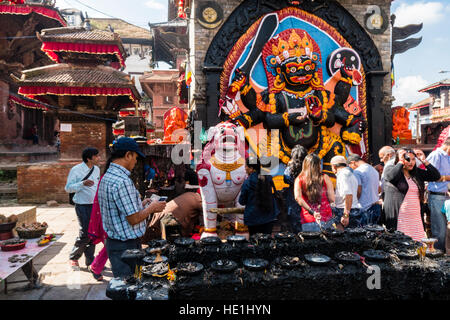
27	104
74	91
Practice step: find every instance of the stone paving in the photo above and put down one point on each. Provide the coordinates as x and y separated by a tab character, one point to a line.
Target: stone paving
58	281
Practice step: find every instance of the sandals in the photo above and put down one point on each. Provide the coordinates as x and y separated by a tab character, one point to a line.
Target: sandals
97	277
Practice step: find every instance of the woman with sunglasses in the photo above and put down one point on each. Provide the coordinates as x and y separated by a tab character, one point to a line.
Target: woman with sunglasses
405	192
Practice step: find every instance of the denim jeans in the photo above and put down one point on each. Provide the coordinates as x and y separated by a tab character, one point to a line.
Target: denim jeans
310	227
115	249
83	243
372	215
356	218
438	220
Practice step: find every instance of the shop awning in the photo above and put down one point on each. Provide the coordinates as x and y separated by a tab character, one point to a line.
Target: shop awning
24	9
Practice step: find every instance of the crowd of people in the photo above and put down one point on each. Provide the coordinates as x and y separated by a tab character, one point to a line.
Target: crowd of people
406	192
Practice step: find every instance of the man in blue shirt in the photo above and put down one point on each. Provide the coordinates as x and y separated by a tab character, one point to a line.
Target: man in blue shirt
437	192
83	181
123	214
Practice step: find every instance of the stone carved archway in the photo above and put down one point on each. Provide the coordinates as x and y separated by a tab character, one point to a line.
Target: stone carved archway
248	12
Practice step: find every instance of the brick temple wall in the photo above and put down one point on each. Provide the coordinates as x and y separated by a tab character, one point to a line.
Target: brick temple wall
43	182
82	135
200	39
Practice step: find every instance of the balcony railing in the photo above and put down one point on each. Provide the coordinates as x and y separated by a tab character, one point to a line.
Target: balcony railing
440	114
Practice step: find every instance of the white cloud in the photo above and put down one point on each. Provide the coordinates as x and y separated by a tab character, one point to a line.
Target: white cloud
406	90
154	4
426	12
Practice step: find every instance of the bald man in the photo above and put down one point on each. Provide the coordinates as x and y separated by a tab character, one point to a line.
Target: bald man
387	156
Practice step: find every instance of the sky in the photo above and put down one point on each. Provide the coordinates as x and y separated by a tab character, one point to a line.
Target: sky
420	66
414	69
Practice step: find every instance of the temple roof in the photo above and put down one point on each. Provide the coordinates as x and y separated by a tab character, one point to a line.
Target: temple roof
44	10
76	43
442	83
421	104
123	28
67	75
79	34
63	74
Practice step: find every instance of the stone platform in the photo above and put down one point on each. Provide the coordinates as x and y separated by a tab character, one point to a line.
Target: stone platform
399	278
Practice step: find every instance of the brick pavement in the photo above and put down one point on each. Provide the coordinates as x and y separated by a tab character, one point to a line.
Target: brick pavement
58	281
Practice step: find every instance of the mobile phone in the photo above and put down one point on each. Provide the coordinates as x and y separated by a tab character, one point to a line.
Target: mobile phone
162	199
154	197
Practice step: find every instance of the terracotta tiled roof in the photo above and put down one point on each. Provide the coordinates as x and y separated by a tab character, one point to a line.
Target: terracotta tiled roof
123	28
160	76
65	74
442	83
420	104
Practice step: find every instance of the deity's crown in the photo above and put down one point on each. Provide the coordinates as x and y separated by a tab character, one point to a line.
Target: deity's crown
295	46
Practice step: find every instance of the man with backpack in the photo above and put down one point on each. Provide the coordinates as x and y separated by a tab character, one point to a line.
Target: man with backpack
82	184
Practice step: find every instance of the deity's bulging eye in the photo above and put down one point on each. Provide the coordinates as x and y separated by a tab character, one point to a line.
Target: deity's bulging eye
307	68
293	69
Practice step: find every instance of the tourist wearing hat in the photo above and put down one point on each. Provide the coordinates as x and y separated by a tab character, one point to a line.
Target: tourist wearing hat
347	211
370	188
123	213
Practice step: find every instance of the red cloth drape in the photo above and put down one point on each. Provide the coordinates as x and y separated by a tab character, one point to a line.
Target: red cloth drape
76	91
128	113
27	9
27	104
50	47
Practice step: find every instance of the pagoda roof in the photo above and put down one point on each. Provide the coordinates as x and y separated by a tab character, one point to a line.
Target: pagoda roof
421	104
442	83
29	8
79	40
79	34
64	79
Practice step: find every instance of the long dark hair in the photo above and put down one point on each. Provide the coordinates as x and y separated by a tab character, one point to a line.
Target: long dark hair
298	154
412	172
264	197
312	178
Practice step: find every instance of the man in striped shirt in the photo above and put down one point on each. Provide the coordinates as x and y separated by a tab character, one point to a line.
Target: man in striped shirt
124	215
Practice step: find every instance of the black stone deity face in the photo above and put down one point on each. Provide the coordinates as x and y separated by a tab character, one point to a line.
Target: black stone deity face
297	71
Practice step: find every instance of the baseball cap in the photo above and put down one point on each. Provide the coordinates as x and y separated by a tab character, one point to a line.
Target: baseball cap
338	160
128	144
